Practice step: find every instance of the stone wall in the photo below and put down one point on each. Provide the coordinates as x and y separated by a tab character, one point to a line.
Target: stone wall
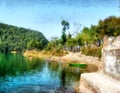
101	82
111	56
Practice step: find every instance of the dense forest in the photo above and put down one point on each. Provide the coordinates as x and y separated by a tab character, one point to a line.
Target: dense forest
18	39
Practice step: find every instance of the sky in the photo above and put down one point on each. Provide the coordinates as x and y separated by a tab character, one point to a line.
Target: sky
46	15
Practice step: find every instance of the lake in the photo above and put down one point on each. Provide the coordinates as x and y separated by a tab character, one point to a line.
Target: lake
20	75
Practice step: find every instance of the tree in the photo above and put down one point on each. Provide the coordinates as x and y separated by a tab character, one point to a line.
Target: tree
93	35
71	43
34	45
69	36
65	25
88	36
79	39
109	26
64	39
14	38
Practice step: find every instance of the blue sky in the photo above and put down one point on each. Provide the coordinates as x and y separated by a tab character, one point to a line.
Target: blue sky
46	15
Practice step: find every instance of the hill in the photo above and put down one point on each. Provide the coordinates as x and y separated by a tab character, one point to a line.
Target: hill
13	38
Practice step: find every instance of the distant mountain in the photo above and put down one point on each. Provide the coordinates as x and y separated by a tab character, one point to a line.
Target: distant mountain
13	38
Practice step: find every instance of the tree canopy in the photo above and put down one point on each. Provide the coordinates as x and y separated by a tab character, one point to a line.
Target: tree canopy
14	38
66	26
109	26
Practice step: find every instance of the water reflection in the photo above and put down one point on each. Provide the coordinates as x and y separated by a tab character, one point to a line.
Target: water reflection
16	64
53	76
68	76
63	77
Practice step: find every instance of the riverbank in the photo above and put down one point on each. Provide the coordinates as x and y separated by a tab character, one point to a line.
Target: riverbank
94	63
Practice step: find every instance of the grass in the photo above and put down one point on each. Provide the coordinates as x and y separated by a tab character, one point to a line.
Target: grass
43	54
94	51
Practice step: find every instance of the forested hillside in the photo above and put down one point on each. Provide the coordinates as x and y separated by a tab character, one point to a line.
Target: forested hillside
18	39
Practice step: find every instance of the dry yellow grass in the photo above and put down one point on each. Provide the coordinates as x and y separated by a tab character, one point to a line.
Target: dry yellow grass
36	54
93	63
43	54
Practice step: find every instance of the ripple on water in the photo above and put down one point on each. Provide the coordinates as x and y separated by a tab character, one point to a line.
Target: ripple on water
49	79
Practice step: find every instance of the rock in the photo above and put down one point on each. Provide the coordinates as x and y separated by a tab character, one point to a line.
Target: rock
98	83
108	80
111	57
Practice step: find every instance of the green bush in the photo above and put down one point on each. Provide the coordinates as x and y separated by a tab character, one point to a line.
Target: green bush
94	51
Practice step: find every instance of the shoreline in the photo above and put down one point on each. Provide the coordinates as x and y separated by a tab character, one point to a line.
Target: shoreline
93	62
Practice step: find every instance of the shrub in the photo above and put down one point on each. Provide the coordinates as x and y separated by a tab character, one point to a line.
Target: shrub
94	51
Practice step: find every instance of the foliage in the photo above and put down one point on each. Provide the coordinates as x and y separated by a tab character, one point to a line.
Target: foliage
88	36
71	43
52	44
63	38
94	35
109	26
66	26
90	39
93	51
32	44
14	38
55	47
69	36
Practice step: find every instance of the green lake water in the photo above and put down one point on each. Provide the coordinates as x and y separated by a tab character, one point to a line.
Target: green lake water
19	75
